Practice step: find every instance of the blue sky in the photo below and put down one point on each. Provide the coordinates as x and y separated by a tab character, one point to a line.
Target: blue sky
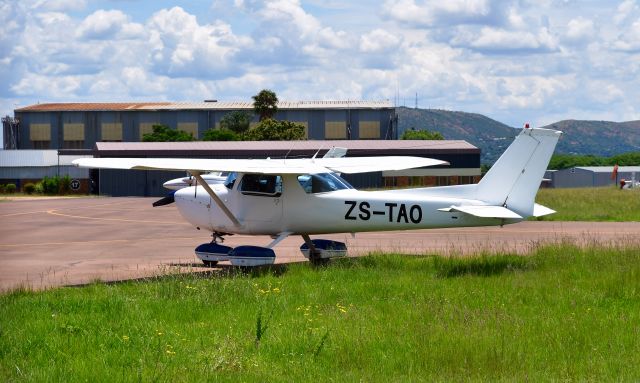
513	60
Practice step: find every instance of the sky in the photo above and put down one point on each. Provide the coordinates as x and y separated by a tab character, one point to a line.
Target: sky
515	61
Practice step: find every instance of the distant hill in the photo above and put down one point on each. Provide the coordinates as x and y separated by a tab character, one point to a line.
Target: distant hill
491	136
600	138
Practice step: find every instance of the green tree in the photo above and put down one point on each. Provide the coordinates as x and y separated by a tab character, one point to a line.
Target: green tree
237	121
566	161
270	129
265	104
412	134
163	133
220	135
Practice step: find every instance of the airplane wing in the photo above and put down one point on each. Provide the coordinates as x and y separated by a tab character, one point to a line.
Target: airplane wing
350	165
347	165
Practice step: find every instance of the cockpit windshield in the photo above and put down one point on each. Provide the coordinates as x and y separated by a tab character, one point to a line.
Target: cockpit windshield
231	180
322	183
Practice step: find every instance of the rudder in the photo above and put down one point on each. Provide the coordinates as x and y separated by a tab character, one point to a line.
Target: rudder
514	179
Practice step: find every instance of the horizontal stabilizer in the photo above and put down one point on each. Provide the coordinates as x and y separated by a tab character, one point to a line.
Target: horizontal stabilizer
539	210
485	211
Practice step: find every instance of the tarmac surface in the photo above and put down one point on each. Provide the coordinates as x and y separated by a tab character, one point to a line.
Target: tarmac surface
46	242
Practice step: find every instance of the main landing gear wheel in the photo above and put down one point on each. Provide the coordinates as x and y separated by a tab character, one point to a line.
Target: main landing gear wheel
319	251
209	263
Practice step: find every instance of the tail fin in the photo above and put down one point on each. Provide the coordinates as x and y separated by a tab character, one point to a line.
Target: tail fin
514	179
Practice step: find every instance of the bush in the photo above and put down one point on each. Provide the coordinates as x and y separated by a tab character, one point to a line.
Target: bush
220	135
38	188
2	189
64	185
29	188
50	185
10	188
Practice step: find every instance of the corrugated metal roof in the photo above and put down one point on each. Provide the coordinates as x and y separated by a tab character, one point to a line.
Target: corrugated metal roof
266	146
232	105
609	169
92	106
33	158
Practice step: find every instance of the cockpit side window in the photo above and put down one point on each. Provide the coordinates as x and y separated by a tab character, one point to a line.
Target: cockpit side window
261	185
322	183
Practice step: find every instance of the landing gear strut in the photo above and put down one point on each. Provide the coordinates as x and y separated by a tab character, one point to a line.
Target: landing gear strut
218	236
314	253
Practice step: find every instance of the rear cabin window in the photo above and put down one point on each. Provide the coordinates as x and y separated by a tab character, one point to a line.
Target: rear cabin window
261	185
322	183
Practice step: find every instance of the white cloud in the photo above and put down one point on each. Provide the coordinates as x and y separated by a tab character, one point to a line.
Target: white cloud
629	40
180	46
531	92
61	5
114	24
625	10
378	40
580	29
450	12
497	40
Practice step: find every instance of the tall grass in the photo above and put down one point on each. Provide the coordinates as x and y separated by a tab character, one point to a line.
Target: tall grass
591	204
561	313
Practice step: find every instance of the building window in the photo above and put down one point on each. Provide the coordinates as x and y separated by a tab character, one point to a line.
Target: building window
370	130
111	131
146	128
189	127
335	130
73	136
40	136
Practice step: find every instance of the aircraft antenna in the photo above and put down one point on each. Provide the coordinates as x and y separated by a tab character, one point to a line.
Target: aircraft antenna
293	143
315	155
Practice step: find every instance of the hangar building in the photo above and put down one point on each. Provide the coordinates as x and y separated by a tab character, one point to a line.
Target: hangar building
81	125
590	176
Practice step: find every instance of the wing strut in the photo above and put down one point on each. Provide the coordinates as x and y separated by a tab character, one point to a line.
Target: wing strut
279	238
215	198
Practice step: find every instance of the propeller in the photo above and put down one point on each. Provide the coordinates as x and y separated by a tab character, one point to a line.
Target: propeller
167	200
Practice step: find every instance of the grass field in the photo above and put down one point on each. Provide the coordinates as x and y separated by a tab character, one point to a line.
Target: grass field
591	204
561	313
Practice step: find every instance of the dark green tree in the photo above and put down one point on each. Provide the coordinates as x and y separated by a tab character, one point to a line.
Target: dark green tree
270	129
163	133
220	135
237	121
265	104
412	134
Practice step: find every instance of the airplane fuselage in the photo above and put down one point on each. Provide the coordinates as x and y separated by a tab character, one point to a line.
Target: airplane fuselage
298	211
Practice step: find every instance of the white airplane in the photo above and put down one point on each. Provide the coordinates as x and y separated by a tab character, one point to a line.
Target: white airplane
284	197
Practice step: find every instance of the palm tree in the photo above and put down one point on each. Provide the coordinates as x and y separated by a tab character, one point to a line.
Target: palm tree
265	104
